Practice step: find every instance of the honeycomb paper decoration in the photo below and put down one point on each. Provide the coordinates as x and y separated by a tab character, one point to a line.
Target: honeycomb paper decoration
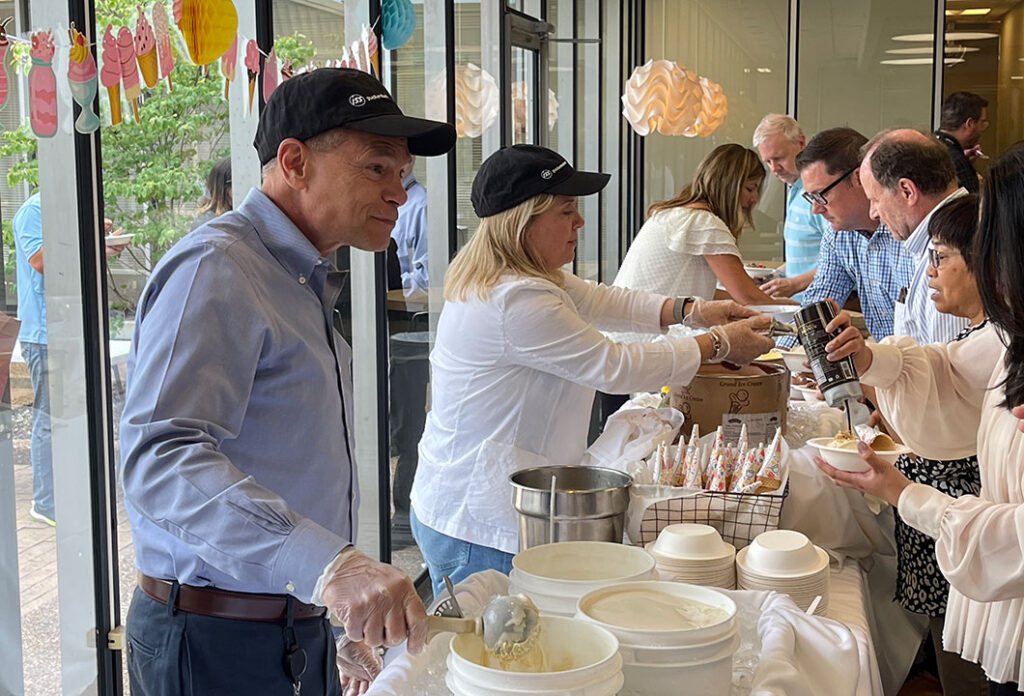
664	96
476	100
208	27
398	20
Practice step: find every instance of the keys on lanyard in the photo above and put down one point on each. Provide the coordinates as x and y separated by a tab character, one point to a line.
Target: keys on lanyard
294	661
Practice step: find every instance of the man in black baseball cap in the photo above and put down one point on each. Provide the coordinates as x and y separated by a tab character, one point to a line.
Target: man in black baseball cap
245	512
518	173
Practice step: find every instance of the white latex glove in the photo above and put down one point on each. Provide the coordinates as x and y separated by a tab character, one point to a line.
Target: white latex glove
705	313
740	341
358	665
376	604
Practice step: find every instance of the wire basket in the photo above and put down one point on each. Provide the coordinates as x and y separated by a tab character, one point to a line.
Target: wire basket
738	517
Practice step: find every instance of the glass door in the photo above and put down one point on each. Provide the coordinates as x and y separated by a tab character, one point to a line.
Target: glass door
525	71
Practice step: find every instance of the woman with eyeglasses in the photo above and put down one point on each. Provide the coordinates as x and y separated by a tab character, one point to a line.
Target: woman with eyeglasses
689	243
947	401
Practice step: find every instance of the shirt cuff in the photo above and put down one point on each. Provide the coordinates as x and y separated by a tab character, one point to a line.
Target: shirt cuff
685	360
329	572
306	552
886	365
922	507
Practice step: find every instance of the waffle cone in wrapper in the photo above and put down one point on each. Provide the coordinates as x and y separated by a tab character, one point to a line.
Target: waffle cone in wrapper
770	474
745	478
693	472
720	474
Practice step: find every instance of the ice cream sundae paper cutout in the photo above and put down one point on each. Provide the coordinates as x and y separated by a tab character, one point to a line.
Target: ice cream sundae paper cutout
252	65
42	86
129	71
227	65
82	80
163	42
208	26
270	75
5	73
110	74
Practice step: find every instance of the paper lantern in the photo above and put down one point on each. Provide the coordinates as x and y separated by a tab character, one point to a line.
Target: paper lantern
476	100
714	108
664	96
397	22
519	93
209	27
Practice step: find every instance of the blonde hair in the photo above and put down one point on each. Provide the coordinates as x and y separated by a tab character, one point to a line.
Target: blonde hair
718	184
498	246
774	124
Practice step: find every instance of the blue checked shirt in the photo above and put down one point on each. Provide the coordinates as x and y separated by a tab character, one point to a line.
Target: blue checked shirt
872	263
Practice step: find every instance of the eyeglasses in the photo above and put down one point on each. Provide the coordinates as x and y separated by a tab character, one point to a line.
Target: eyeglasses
819	196
935	258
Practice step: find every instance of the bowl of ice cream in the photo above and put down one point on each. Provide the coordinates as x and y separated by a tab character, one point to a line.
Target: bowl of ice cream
841	451
794	359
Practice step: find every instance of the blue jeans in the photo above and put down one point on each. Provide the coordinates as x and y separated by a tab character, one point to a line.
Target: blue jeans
458	559
39	445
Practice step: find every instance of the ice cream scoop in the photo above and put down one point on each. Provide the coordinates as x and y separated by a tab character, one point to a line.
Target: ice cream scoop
508	625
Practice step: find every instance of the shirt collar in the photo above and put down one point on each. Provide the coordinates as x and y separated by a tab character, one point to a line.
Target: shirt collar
283	239
917	242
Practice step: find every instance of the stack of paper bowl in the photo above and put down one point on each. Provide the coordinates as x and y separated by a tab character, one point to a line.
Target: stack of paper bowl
785	561
695	554
554	576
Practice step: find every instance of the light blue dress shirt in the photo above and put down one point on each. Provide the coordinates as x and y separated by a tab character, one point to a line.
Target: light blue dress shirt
236	432
27	226
802	233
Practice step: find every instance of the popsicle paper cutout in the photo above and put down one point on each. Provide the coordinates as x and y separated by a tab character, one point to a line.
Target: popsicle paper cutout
42	86
129	71
208	26
82	80
145	49
227	64
252	65
270	75
5	75
163	42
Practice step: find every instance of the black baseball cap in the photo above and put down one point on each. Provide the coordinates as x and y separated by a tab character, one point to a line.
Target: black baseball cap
518	173
325	98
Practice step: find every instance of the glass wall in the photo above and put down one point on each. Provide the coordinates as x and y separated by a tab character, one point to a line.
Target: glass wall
743	47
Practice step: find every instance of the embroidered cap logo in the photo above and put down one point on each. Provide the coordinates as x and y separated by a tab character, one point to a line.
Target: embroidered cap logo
357	100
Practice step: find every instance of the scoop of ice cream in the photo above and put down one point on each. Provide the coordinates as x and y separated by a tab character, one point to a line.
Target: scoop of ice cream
126	52
252	57
145	41
110	73
81	66
42	46
844	439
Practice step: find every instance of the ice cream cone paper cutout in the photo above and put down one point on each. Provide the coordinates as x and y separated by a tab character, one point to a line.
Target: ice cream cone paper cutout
110	74
145	49
227	65
270	75
129	70
252	66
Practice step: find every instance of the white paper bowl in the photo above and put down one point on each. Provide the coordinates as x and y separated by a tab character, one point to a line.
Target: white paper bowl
809	394
782	551
758	274
794	359
782	312
848	459
690	541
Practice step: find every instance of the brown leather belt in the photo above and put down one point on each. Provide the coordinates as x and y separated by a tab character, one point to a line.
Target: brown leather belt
225	604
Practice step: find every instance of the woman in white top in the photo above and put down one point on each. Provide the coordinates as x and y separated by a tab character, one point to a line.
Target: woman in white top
518	356
689	243
946	401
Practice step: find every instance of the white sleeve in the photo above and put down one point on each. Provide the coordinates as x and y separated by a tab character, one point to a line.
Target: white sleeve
542	329
699	234
612	308
948	381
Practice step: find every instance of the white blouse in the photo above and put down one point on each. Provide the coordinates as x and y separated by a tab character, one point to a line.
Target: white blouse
943	401
667	256
512	386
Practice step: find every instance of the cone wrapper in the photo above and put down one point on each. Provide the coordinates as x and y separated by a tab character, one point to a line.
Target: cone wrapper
720	474
770	474
745	480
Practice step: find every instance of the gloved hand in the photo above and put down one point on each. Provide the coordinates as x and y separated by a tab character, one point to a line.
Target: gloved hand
376	603
740	341
358	665
705	313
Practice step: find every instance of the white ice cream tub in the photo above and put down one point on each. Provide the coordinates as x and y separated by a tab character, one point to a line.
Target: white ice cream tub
585	656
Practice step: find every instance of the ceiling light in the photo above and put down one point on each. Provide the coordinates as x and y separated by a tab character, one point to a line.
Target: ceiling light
919	61
764	70
952	13
1017	77
927	50
950	36
976	11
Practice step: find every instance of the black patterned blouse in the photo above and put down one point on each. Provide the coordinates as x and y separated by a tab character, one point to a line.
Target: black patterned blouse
920	586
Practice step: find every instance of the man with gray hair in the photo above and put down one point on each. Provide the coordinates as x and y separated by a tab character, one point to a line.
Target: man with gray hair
778	138
907	175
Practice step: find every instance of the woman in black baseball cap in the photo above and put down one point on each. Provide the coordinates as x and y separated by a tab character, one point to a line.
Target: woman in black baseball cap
519	352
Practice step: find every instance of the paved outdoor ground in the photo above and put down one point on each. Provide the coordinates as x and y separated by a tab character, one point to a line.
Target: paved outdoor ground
37	560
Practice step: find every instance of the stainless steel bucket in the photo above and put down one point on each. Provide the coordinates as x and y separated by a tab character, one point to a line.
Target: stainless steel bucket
590	504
